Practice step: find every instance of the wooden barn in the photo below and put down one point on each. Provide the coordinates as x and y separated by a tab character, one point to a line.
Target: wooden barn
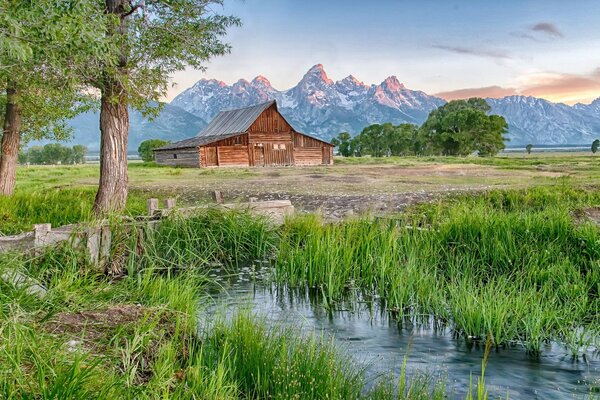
251	136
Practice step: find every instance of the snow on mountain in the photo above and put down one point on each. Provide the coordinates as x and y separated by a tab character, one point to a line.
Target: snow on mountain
539	121
319	106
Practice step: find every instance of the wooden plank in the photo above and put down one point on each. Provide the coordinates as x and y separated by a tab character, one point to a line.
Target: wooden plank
233	156
178	157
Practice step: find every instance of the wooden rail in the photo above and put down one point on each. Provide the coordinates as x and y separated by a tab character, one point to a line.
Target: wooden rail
96	236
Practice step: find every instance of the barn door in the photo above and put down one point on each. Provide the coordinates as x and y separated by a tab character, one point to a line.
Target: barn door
326	155
259	155
211	156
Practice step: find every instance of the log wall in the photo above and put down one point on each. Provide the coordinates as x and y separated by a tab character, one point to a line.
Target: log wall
308	156
178	157
270	141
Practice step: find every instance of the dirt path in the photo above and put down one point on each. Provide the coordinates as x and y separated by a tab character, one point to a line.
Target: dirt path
339	190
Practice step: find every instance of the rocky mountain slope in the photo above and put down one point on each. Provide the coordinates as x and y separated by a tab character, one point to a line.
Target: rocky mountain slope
173	123
319	106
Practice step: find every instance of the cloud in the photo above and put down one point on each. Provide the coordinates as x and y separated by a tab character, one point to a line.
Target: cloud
556	87
547	28
539	31
481	52
567	88
488	91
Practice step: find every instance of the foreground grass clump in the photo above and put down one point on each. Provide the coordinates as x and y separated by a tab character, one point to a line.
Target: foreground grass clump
206	238
511	266
137	337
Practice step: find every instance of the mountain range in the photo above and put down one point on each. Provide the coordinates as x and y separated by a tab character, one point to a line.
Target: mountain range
322	107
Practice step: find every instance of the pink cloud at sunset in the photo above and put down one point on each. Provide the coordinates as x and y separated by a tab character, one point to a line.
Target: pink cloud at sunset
563	88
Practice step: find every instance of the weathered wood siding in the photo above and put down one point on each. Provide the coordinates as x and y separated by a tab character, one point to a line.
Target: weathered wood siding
269	141
310	151
270	121
178	157
232	155
308	155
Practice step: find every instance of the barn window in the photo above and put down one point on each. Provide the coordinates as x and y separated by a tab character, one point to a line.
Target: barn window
175	156
238	140
279	146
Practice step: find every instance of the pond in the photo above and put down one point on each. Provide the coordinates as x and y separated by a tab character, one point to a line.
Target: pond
368	333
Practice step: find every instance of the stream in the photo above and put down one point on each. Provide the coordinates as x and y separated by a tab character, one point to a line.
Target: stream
369	335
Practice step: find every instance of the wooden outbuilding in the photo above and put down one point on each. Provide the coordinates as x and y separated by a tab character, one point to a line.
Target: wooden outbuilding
251	136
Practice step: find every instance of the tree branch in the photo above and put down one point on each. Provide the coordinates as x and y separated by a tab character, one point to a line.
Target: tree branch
134	8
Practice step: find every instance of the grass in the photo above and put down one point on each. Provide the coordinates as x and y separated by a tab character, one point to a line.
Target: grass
138	337
509	266
505	267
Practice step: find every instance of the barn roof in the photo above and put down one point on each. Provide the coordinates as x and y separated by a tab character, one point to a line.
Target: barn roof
226	124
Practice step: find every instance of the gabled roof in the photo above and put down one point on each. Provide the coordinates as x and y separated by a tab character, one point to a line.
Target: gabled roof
235	121
226	124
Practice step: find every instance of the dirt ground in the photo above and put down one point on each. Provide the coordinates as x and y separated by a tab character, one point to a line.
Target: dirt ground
340	190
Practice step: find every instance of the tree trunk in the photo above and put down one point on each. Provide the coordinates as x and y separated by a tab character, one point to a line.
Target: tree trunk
114	124
114	128
11	139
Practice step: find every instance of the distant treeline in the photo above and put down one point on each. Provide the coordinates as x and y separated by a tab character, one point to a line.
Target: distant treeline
458	128
53	153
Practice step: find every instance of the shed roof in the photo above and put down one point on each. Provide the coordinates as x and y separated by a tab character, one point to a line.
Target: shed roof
226	124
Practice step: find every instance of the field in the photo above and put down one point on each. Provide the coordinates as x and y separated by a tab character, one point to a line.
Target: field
503	252
351	186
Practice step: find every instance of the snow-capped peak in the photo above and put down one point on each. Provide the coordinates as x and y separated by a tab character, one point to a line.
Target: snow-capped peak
316	73
392	84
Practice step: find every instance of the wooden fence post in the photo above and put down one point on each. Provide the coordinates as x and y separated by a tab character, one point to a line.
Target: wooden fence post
218	197
93	244
170	204
40	232
152	206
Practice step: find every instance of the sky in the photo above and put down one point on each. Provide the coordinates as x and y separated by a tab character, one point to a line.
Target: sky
453	49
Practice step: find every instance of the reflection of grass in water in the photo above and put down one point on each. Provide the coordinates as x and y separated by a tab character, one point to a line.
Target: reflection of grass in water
510	266
52	351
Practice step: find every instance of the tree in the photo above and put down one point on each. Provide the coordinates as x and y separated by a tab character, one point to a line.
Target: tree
146	147
462	127
42	41
373	139
595	146
154	38
342	142
79	152
401	140
528	148
54	153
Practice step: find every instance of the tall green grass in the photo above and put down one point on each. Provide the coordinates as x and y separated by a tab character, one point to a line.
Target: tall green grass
513	266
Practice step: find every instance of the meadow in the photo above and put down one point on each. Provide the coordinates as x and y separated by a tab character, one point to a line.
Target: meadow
508	265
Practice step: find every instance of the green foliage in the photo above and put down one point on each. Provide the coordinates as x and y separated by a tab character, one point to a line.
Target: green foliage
145	148
160	38
153	349
45	44
52	154
342	142
457	128
462	127
528	148
595	146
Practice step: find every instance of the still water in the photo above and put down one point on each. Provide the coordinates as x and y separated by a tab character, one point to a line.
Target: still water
372	337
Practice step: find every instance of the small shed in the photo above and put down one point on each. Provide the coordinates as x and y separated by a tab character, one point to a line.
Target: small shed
253	136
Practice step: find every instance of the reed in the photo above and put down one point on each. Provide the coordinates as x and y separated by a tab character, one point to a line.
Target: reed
510	266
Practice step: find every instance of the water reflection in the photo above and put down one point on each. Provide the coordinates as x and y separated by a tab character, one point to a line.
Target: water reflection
364	330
